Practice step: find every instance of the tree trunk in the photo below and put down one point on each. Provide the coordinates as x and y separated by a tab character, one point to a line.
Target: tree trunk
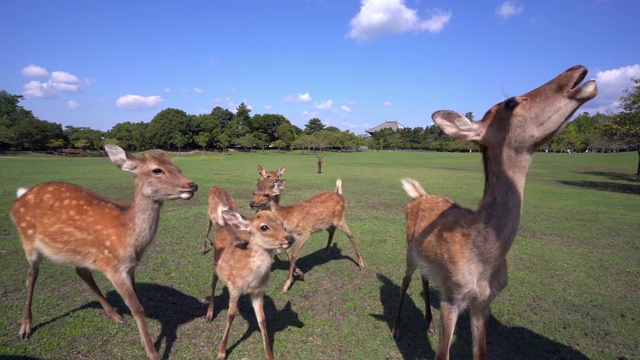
638	171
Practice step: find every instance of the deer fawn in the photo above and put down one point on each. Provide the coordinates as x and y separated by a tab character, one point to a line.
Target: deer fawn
272	176
218	196
243	252
319	161
70	224
324	211
464	252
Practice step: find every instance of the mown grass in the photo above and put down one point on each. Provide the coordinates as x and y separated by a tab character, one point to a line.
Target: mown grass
574	268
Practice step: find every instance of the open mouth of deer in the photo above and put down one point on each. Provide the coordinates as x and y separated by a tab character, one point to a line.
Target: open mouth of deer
584	92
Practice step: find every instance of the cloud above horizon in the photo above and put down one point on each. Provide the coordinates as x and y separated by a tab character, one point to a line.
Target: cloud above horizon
509	9
58	81
381	17
138	102
298	98
611	86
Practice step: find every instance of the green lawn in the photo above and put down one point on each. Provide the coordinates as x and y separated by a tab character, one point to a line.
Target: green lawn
574	268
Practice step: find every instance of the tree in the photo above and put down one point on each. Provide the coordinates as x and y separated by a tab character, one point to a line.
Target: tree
285	133
202	139
130	136
625	126
314	125
165	125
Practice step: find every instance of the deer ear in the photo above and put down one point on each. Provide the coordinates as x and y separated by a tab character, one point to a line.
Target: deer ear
121	158
261	171
236	220
458	126
280	171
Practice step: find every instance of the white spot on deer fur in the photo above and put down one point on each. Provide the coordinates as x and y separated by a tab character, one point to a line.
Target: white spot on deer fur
30	232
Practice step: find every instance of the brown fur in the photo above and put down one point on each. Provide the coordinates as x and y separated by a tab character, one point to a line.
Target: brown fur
72	225
464	252
324	211
243	252
218	196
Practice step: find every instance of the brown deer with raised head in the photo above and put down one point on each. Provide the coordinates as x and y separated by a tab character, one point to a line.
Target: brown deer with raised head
218	196
70	224
243	252
319	161
324	211
464	252
272	176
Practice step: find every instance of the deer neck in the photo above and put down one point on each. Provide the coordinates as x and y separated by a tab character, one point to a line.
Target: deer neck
498	215
144	215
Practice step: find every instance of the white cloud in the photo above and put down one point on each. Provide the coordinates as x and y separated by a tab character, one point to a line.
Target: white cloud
137	102
345	108
324	106
197	90
167	90
72	104
58	81
387	103
39	89
508	9
380	17
267	107
33	71
298	98
611	86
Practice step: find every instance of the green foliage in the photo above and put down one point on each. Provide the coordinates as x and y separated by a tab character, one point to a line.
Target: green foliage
165	125
313	125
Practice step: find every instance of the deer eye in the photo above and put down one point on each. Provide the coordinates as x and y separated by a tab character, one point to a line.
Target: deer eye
264	228
266	195
510	104
157	171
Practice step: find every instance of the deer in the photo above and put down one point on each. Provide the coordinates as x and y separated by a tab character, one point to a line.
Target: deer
217	196
324	211
73	225
319	161
272	176
463	252
243	253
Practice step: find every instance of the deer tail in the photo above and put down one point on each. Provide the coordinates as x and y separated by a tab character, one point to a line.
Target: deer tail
339	187
21	191
413	188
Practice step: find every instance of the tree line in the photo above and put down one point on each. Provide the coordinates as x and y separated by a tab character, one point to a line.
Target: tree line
221	129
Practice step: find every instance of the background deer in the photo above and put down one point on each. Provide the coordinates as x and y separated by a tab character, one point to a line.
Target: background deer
272	176
243	252
70	224
218	196
324	211
464	252
319	161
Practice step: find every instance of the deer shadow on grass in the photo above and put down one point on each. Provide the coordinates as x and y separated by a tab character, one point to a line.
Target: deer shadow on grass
631	187
168	306
503	341
277	320
308	262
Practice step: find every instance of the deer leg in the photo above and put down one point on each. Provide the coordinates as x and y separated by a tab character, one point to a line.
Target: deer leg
85	274
258	307
448	317
479	315
343	226
233	309
214	282
406	281
124	285
431	327
331	231
203	249
32	276
292	265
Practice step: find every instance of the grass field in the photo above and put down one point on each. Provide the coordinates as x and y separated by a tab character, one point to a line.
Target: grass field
573	293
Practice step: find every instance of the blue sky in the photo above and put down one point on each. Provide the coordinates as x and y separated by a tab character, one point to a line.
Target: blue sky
352	64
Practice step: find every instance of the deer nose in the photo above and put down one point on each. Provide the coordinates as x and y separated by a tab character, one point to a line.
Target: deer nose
289	239
193	186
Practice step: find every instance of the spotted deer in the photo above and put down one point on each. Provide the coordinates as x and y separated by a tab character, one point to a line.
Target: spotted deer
70	224
243	252
463	252
218	196
272	176
324	211
319	161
